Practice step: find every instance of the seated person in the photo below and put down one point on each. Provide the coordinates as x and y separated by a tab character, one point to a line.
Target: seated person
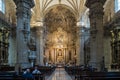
36	71
27	74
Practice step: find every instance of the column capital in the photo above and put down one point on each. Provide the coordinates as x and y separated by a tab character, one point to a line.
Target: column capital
24	8
78	24
37	24
29	2
89	3
96	7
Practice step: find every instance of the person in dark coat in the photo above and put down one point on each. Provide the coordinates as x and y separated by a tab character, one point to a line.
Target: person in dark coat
28	75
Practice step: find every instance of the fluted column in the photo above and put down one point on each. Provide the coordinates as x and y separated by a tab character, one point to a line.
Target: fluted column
96	34
23	13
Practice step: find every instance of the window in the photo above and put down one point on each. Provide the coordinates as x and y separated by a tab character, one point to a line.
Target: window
117	5
2	6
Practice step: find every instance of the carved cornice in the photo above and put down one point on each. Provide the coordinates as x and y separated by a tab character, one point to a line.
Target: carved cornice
91	2
29	2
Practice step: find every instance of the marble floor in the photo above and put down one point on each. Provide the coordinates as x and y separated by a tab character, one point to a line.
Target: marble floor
59	74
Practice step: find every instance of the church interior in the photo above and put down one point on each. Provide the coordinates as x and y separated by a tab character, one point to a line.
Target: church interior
73	39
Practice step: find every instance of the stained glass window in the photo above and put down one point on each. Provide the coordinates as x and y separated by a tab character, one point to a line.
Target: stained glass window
2	6
117	5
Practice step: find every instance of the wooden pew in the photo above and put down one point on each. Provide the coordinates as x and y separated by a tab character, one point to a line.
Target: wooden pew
18	77
39	77
45	70
98	76
7	75
73	70
6	68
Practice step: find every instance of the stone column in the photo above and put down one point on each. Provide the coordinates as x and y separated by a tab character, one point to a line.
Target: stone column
96	34
40	44
80	55
12	48
107	46
23	12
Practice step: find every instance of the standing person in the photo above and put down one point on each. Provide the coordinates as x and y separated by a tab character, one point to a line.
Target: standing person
37	74
27	75
36	71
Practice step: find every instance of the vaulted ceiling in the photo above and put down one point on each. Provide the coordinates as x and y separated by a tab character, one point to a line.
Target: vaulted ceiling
42	7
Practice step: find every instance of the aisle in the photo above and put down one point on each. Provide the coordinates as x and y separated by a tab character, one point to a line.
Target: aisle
59	74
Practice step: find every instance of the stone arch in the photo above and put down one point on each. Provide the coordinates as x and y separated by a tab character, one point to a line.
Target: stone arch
61	14
60	17
63	5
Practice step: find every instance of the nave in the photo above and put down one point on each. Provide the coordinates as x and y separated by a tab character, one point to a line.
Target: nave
59	74
82	35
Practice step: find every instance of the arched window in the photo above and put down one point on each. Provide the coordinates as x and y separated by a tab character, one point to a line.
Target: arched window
117	5
2	6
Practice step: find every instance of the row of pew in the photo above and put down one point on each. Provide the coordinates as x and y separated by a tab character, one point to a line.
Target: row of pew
88	74
44	69
8	74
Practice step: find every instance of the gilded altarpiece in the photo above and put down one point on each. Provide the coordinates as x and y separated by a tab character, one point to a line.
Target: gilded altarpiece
60	25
